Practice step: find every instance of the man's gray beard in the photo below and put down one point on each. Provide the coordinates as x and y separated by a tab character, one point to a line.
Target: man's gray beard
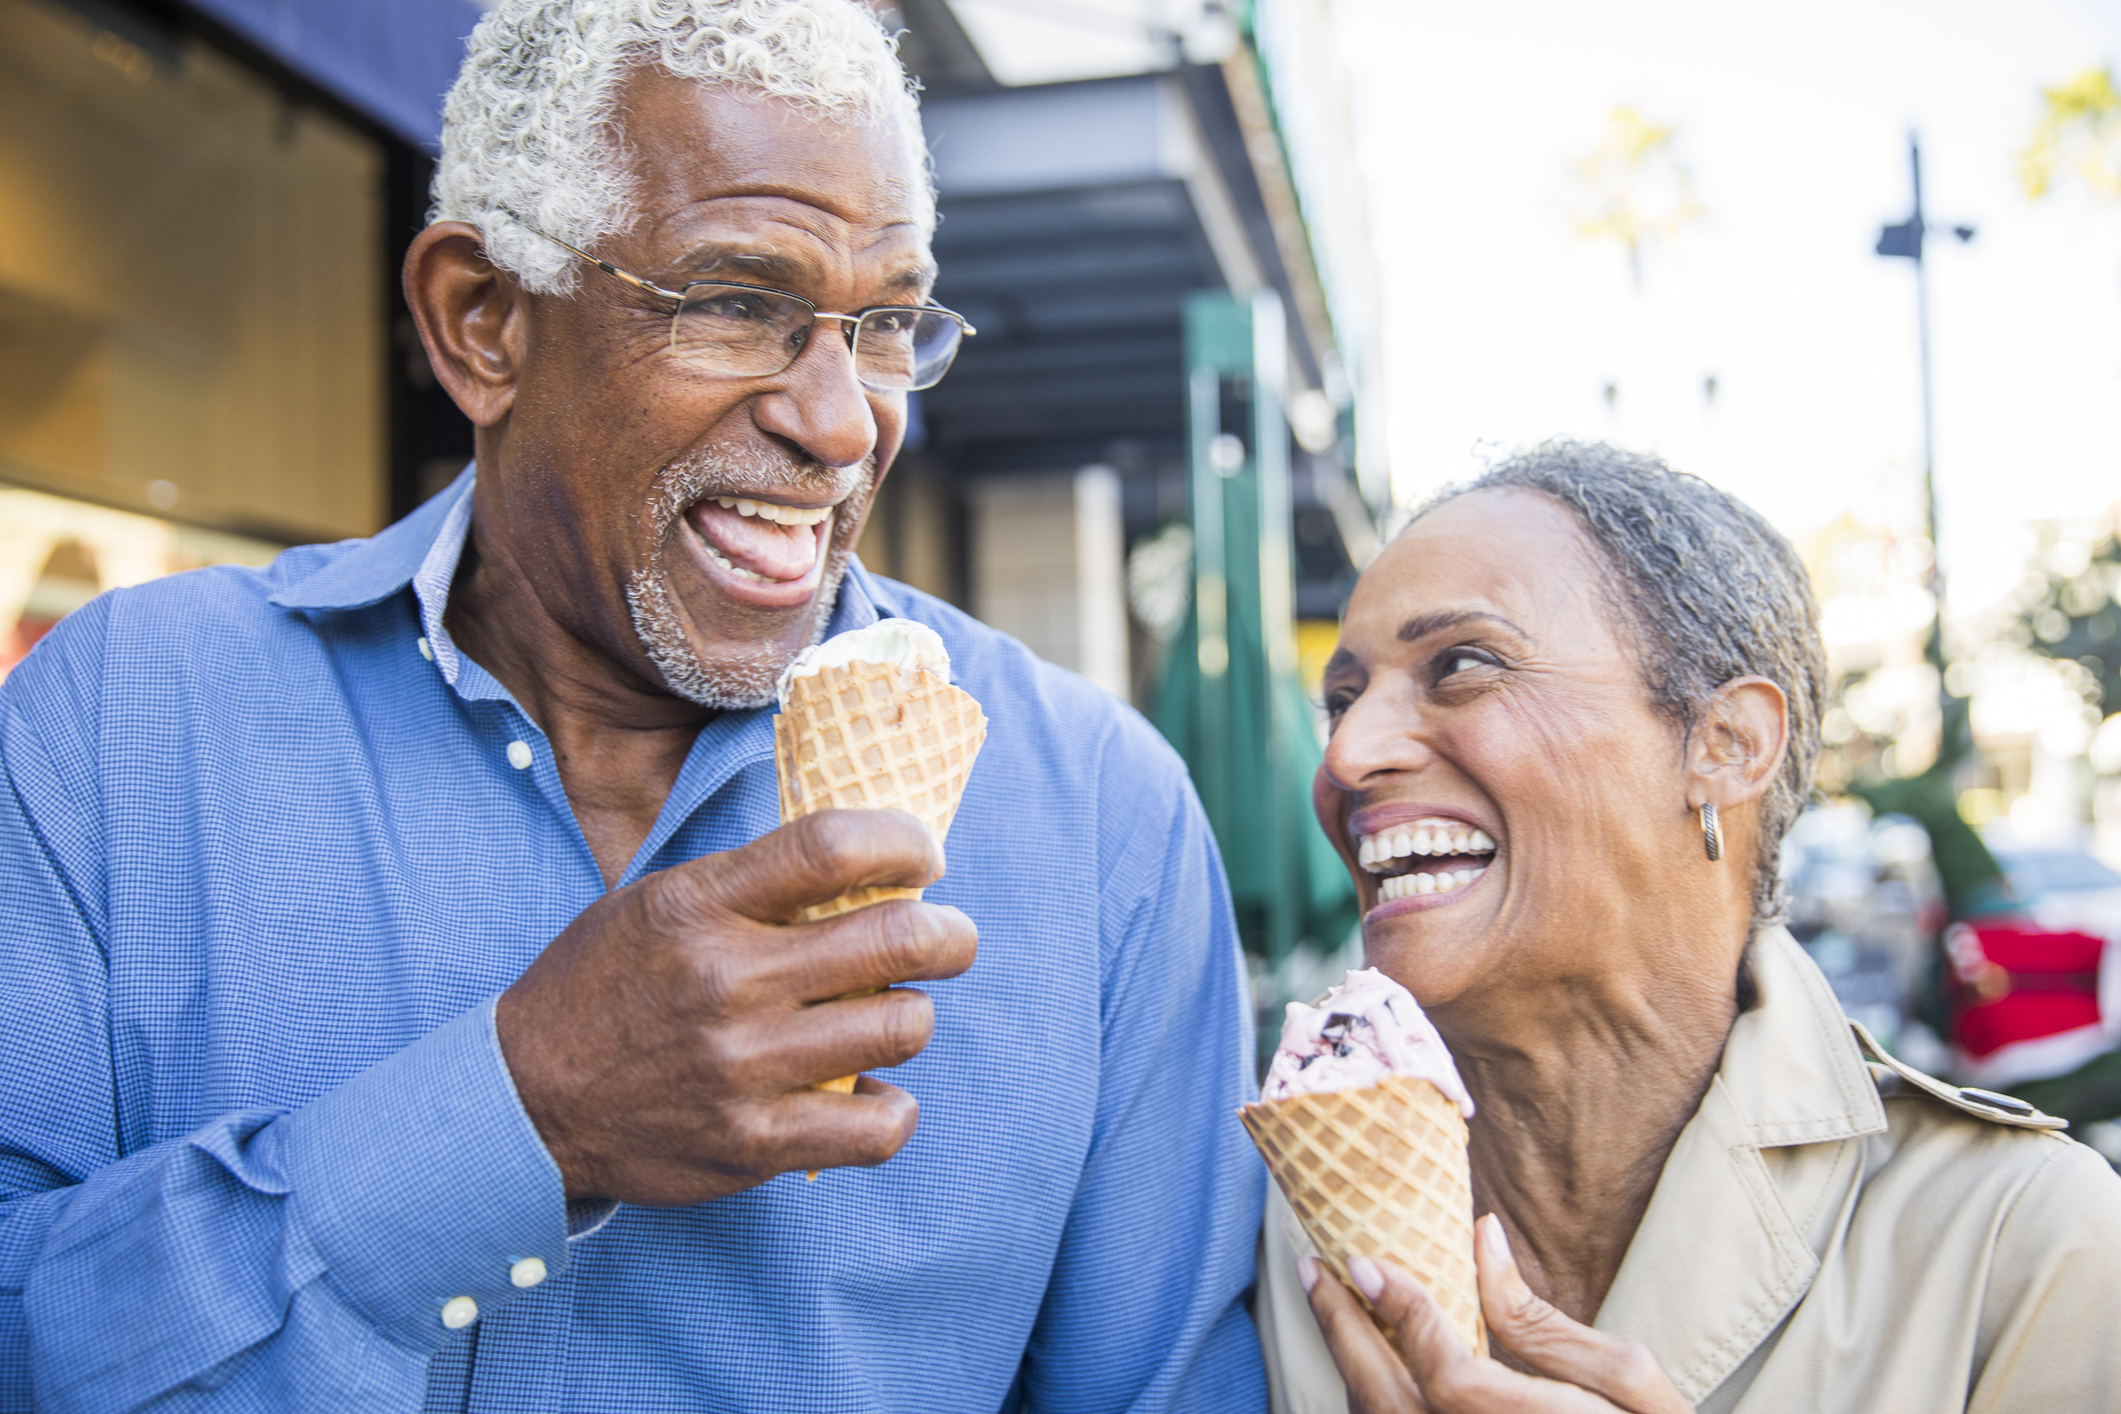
747	678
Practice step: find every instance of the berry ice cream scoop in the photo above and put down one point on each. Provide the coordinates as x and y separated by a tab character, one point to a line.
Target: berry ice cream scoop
1365	1029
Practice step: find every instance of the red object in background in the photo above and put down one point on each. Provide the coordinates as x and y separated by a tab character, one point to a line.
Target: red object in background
2019	984
15	647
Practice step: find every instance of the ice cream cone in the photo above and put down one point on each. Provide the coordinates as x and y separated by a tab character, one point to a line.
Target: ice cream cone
874	736
1380	1171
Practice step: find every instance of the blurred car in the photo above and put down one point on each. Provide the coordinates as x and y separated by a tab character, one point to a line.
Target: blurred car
2038	990
1865	901
2062	889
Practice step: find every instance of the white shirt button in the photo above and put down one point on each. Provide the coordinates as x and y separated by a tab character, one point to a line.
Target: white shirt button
519	755
528	1272
459	1312
427	650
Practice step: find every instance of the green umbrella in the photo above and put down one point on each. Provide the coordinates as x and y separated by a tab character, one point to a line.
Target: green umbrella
1228	698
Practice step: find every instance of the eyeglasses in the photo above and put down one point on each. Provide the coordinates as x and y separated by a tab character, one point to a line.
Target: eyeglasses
733	330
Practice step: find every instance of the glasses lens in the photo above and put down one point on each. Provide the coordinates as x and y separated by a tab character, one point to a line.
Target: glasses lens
904	350
740	333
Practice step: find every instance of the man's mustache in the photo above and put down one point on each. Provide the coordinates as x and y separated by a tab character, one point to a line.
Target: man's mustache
694	477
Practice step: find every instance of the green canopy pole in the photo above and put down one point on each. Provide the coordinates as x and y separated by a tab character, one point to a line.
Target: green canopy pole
1277	618
1210	590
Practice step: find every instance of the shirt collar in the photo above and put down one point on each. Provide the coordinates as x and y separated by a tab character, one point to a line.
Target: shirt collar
1723	1253
424	549
378	567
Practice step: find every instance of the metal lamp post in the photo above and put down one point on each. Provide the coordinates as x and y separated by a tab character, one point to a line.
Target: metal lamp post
1905	241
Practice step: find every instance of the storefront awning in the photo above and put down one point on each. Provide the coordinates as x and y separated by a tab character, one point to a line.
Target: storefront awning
393	59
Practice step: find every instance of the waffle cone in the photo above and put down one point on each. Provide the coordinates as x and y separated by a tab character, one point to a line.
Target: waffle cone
1380	1172
874	736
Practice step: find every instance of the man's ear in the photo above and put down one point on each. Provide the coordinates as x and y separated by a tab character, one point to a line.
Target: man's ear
472	318
1737	744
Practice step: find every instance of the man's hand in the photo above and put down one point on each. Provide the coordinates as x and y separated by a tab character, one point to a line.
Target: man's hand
665	1043
1580	1370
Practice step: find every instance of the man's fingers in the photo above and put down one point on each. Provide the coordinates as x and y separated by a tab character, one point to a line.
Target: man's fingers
898	940
1553	1345
819	857
1377	1382
814	1130
781	1053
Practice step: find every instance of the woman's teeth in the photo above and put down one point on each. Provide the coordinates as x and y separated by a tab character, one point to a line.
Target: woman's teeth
1436	836
1402	885
1429	837
767	510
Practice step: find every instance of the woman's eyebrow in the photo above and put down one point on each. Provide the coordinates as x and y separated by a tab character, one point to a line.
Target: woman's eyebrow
1422	625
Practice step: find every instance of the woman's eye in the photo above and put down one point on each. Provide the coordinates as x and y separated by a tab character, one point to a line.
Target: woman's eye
1461	660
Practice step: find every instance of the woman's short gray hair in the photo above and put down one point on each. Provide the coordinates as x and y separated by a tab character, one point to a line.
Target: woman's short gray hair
1710	592
529	131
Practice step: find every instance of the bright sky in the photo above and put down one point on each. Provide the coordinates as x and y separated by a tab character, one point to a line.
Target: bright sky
1793	118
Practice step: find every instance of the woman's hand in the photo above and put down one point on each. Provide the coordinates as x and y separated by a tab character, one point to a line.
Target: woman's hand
1584	1371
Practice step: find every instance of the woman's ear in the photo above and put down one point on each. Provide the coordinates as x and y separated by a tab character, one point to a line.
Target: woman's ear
1737	744
472	318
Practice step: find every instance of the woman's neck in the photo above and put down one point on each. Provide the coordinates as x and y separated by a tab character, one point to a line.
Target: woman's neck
1580	1100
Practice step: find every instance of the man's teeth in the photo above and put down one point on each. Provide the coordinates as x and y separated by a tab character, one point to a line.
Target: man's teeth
767	510
1443	882
1433	836
738	570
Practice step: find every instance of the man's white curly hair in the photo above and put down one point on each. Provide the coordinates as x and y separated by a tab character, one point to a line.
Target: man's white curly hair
530	130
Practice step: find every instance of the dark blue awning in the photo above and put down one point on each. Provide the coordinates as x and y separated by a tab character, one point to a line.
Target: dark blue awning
393	59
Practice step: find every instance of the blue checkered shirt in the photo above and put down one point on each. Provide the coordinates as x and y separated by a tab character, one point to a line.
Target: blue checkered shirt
264	866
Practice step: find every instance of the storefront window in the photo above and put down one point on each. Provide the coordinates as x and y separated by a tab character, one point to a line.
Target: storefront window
191	304
57	554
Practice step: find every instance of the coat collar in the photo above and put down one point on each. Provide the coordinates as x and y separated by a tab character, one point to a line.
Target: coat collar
1725	1249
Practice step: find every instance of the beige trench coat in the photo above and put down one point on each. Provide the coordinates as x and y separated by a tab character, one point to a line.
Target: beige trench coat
1833	1234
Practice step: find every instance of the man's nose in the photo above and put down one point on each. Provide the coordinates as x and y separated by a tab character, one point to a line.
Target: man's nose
820	406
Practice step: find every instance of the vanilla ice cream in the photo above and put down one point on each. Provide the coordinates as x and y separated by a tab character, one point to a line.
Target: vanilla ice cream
900	642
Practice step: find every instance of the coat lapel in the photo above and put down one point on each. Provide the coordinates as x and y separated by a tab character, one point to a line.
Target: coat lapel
1724	1251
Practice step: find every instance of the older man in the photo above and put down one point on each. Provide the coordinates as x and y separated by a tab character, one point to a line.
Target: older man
401	1003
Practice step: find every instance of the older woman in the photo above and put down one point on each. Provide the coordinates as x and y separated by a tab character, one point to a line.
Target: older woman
1705	1189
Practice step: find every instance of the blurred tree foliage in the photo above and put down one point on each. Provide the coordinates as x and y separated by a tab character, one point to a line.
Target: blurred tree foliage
1634	188
2077	621
2079	134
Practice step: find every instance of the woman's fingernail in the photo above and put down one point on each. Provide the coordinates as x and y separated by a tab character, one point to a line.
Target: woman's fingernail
1307	1272
1498	1240
1368	1280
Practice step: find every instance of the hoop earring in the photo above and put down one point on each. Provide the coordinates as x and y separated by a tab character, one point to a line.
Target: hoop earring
1711	831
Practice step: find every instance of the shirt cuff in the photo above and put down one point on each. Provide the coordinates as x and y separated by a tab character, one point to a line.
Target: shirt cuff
423	1185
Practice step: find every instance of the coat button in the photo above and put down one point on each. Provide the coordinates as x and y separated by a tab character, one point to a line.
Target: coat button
528	1272
459	1312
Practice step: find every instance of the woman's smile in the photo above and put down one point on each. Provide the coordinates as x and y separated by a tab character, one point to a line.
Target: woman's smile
1428	861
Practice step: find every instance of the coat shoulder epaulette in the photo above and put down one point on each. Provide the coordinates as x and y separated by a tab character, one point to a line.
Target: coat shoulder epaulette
1895	1076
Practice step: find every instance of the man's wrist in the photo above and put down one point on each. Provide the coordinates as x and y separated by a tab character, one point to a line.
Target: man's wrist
423	1186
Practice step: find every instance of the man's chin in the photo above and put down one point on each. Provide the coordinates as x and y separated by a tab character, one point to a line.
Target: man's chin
754	641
